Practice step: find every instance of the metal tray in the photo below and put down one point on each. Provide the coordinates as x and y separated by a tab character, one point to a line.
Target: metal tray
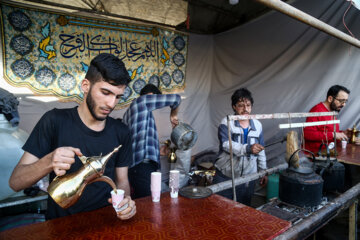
195	192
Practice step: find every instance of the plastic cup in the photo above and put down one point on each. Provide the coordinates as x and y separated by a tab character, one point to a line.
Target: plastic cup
117	198
174	183
155	186
343	144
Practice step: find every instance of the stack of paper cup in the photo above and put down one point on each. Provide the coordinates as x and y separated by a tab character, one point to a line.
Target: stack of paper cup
155	186
174	183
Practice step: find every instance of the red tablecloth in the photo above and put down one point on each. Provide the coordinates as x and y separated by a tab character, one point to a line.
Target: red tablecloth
210	218
350	155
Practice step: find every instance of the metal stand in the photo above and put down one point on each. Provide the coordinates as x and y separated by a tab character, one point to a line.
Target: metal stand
353	221
276	116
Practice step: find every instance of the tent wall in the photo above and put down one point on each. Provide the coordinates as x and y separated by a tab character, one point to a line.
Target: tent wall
288	66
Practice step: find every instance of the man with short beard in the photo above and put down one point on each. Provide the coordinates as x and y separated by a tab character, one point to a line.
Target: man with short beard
63	135
248	150
336	98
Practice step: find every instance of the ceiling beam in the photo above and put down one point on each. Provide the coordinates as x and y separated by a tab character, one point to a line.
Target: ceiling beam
99	13
309	20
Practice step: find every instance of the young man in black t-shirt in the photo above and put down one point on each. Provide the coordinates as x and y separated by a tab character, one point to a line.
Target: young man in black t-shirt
62	135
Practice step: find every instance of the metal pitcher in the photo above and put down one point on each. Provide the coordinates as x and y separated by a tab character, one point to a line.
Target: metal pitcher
67	189
183	136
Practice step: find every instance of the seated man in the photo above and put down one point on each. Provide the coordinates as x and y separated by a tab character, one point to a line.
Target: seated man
336	99
63	135
247	145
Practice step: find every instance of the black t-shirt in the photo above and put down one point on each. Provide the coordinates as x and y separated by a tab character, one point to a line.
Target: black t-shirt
64	128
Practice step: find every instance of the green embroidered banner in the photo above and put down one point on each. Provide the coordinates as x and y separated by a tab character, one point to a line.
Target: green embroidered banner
50	52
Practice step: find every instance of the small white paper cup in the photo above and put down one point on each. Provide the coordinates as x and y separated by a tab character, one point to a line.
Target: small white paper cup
117	198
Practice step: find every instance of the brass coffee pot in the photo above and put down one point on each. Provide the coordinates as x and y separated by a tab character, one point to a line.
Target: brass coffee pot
172	155
353	134
67	189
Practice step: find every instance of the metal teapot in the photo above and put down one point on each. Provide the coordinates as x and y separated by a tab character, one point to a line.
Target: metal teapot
67	189
331	170
183	136
301	185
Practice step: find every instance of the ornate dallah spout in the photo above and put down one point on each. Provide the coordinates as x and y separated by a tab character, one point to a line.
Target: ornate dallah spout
67	189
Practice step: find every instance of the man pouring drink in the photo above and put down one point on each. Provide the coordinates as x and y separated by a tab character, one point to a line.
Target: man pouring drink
63	136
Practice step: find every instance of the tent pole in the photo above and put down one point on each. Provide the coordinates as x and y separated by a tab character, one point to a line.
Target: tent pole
231	160
307	19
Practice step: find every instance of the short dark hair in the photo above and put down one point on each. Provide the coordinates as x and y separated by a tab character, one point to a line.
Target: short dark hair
108	68
334	90
149	88
241	94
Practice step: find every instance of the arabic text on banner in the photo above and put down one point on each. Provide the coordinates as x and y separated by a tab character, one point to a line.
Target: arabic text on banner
50	52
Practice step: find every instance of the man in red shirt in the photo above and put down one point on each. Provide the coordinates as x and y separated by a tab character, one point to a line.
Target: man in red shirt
336	98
